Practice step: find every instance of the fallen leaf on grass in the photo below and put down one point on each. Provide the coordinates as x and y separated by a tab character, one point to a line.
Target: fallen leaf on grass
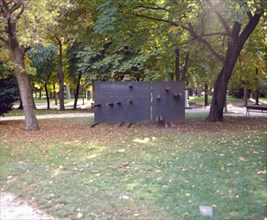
79	215
242	159
123	197
261	171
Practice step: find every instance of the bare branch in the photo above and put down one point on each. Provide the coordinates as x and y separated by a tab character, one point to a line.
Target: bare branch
216	33
65	12
7	10
4	8
199	38
152	8
205	43
249	14
22	7
249	28
161	20
15	7
220	17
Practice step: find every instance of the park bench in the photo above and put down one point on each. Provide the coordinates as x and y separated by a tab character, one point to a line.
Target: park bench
256	108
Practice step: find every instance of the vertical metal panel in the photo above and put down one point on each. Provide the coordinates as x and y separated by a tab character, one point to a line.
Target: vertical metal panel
168	101
122	101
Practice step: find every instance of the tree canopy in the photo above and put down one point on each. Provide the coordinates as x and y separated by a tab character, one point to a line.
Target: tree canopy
204	42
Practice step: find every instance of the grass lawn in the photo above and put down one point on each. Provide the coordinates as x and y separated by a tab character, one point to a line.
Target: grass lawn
199	100
19	112
43	100
141	172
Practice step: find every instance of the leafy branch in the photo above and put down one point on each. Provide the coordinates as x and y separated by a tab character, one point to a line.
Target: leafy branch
220	17
192	31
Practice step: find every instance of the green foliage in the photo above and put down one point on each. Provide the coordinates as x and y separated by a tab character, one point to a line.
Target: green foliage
160	27
111	62
253	56
9	93
72	57
43	59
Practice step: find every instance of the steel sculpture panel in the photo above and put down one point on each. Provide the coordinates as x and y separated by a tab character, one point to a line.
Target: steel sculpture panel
122	101
168	101
139	101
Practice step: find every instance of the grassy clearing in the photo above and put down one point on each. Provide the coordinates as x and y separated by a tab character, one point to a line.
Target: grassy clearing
66	101
143	172
199	100
19	112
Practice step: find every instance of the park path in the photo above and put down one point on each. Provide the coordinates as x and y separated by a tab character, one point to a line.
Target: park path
233	110
50	116
13	208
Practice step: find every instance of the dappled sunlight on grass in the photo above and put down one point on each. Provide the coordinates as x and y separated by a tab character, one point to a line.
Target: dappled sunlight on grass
142	172
142	141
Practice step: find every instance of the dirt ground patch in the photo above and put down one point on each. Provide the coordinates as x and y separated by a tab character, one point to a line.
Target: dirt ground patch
71	129
13	208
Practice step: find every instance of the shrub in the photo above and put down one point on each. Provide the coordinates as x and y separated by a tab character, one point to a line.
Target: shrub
9	93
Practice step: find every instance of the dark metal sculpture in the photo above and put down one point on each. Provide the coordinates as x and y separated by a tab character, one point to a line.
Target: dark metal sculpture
139	102
122	101
168	103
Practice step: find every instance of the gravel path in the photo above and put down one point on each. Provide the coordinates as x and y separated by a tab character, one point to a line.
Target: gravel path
49	116
233	110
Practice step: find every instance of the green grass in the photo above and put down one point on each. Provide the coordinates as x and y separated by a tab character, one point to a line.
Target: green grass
199	100
19	112
262	100
66	101
144	172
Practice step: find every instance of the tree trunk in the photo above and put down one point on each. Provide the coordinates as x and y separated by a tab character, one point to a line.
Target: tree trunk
234	48
47	96
60	76
76	93
177	61
40	93
20	104
17	54
46	91
185	66
220	88
245	98
256	97
206	99
25	90
257	91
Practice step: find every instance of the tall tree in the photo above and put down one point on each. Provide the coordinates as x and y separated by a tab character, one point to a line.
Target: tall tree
232	23
73	61
23	23
11	12
44	60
